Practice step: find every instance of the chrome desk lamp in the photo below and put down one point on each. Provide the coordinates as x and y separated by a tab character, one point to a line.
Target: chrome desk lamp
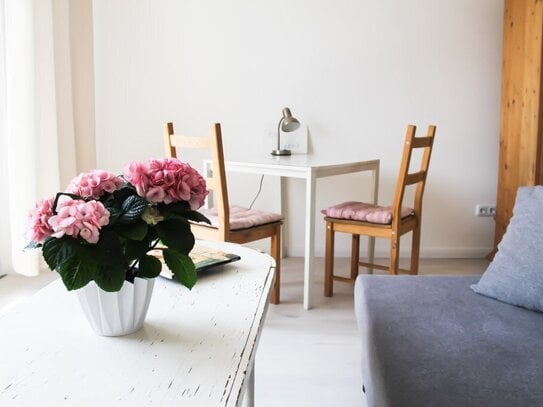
287	124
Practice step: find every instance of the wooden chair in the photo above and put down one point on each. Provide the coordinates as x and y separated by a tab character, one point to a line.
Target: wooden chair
359	218
228	223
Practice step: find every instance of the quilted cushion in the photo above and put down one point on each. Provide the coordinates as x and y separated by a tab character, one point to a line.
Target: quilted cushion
242	218
364	212
515	276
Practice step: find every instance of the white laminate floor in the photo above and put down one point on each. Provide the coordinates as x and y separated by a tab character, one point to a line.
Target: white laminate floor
305	358
311	358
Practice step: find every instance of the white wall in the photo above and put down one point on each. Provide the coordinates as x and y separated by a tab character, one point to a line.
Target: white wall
356	72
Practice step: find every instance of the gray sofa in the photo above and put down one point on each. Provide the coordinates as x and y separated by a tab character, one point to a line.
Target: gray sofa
433	341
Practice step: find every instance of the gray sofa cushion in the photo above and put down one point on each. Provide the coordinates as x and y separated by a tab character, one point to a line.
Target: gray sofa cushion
515	276
432	341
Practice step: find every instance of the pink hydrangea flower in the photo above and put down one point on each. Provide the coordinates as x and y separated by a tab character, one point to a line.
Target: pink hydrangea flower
38	218
167	180
94	184
79	218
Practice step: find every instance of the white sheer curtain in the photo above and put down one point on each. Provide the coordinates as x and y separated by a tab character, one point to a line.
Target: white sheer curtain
37	137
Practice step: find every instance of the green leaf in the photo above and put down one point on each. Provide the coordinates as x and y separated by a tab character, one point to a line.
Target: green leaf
114	214
76	273
120	195
181	210
134	231
108	250
176	234
197	217
152	235
181	266
132	208
134	249
180	207
149	266
192	215
57	251
110	278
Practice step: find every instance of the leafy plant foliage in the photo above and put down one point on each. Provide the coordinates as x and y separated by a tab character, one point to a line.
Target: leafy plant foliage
122	252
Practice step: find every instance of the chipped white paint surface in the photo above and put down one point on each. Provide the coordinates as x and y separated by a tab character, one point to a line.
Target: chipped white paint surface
196	347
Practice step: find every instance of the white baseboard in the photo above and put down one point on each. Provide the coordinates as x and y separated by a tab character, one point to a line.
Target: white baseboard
426	252
455	252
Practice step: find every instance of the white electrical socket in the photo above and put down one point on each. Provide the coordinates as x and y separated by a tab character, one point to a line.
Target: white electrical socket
485	210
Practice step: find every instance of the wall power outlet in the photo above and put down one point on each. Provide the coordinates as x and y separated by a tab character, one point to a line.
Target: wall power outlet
485	210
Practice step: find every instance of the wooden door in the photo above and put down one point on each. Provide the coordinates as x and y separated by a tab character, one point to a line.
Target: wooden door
521	145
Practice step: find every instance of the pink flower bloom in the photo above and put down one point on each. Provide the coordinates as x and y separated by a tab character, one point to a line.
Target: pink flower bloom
89	232
38	218
199	194
155	194
167	180
79	218
181	191
137	173
94	184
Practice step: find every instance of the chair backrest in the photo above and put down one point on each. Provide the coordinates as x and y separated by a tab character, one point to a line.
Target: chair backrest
216	180
405	178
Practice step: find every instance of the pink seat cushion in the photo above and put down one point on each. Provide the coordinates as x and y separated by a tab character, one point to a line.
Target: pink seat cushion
242	218
364	212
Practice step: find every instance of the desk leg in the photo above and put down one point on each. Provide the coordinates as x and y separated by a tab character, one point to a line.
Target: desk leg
249	399
309	240
284	209
375	196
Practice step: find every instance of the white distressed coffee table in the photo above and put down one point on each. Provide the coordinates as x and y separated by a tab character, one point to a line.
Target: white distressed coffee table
197	348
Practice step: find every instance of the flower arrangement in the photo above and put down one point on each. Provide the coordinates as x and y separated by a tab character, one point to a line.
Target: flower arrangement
103	226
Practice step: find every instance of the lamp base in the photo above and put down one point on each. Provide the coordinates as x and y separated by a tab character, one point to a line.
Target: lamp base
280	152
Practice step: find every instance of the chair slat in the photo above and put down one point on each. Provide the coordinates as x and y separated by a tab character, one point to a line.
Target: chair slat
379	267
411	179
190	141
419	142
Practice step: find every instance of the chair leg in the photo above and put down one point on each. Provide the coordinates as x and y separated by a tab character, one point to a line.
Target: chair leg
371	253
275	251
329	261
394	253
355	256
415	247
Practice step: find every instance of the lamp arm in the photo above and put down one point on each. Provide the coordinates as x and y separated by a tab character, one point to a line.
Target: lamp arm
279	133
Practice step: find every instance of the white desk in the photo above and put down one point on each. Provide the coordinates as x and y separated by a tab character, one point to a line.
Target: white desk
308	168
196	348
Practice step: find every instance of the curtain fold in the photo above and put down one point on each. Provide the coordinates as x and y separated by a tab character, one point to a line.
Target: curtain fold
5	246
38	138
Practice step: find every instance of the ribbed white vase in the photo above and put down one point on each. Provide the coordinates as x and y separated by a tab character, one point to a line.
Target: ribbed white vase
116	313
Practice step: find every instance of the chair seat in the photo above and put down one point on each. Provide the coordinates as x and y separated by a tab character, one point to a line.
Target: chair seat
242	218
364	212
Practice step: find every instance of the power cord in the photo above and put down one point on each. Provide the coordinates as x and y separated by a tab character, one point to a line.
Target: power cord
258	193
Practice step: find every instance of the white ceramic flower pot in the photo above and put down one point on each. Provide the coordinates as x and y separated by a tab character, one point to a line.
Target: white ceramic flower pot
117	313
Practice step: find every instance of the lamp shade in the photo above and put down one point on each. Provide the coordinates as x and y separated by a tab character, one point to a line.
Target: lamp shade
289	123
